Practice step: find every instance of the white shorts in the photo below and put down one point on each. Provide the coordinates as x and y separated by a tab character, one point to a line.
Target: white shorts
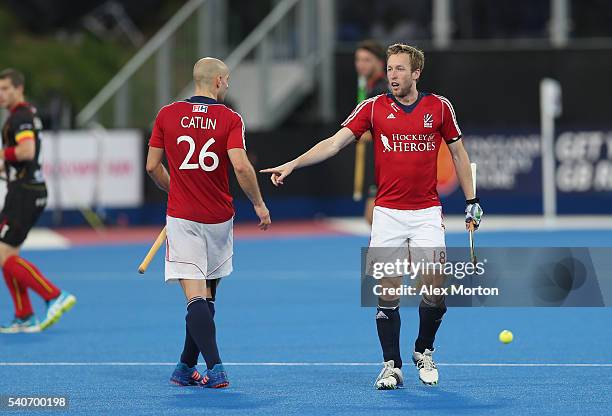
417	234
198	251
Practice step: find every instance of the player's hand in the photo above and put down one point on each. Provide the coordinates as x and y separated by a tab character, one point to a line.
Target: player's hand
264	216
279	173
473	214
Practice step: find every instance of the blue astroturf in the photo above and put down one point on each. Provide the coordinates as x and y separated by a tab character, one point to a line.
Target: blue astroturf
296	301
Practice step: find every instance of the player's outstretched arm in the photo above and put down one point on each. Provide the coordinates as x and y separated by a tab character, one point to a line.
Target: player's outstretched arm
318	153
461	161
248	182
156	170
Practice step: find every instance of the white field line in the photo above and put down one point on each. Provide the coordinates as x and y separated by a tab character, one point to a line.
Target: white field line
288	364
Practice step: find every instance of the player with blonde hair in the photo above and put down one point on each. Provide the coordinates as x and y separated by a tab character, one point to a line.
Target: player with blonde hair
408	127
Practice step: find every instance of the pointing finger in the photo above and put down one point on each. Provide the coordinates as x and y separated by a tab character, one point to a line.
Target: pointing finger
269	170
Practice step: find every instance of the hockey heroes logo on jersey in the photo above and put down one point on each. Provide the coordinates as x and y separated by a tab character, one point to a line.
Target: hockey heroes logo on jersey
409	142
405	150
427	121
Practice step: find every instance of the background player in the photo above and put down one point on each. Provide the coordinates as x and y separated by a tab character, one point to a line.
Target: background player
200	137
26	199
408	212
370	67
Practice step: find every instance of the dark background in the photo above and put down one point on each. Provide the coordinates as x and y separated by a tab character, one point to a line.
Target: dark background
492	92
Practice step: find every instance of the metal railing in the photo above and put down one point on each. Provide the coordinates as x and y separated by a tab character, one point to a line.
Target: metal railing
190	32
296	31
259	42
300	32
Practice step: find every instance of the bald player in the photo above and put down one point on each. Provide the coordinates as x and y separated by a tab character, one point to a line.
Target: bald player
201	137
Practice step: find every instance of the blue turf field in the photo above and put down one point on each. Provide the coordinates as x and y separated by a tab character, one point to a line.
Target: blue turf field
297	301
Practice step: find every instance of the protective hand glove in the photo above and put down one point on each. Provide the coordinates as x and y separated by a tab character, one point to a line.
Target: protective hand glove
473	212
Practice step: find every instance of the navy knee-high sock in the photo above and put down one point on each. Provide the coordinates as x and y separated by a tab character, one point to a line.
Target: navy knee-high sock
430	319
202	329
211	306
388	324
190	353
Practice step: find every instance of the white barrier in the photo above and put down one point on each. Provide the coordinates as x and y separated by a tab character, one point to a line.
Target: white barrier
86	168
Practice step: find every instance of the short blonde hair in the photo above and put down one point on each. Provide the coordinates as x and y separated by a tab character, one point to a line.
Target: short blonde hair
417	57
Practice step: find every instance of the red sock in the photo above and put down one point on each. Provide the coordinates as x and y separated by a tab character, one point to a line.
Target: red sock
28	276
21	300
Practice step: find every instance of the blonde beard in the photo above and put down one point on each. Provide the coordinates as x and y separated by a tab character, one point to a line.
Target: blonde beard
410	89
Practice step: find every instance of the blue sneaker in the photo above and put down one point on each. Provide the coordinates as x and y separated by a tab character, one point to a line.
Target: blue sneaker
29	324
216	378
56	308
185	376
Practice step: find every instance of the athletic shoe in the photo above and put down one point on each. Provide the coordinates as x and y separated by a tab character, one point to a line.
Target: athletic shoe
185	376
216	378
29	324
428	372
56	308
390	378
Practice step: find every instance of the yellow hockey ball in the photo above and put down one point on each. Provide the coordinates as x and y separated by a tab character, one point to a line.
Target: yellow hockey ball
506	336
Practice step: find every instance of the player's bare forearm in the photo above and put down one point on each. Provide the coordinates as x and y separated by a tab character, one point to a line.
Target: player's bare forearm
161	177
325	149
461	161
156	170
247	179
318	153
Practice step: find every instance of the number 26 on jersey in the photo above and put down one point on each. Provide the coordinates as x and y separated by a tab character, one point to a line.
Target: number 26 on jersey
202	159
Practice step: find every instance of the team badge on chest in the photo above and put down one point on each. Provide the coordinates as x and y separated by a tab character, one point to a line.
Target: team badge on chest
427	120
